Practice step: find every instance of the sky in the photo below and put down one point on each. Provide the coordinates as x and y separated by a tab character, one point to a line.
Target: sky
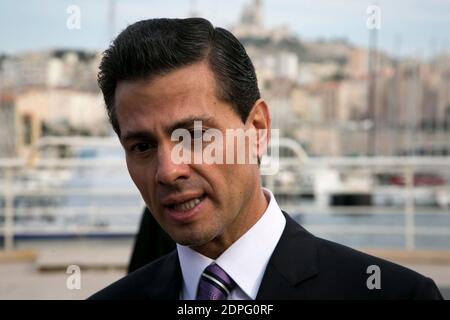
408	27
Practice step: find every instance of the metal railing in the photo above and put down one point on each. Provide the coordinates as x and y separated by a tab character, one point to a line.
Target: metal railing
406	168
16	183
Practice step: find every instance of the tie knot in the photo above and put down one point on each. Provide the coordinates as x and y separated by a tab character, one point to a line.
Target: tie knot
215	284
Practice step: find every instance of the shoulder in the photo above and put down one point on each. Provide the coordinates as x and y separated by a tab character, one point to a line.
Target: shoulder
339	272
370	276
141	283
341	258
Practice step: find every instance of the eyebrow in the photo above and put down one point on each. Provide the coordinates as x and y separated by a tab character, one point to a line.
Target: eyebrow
182	123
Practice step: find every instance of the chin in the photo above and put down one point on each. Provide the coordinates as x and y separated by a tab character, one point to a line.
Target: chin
193	240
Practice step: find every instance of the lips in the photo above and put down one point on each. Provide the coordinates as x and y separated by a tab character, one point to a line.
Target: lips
179	199
185	207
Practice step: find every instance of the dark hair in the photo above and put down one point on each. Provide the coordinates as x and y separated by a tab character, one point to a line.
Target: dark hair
154	47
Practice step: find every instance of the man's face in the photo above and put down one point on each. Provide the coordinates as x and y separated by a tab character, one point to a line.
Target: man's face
194	203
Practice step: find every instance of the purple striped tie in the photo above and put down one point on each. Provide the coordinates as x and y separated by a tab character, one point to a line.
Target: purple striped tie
215	284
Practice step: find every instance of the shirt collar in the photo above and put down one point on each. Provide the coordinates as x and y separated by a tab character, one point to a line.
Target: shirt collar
245	260
192	266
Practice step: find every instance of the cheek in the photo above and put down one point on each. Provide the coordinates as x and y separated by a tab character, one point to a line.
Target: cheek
225	179
138	174
241	177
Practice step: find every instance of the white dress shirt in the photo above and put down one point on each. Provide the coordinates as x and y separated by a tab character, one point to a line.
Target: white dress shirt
245	261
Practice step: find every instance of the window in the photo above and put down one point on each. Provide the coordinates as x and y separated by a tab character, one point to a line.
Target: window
27	129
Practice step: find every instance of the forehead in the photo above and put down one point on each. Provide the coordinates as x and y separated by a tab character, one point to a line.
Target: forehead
187	91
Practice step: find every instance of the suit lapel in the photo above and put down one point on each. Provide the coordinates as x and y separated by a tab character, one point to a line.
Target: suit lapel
293	261
167	283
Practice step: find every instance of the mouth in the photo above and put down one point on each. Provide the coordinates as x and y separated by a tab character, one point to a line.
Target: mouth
187	210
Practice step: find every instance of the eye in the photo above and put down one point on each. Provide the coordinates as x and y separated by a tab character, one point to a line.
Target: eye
141	147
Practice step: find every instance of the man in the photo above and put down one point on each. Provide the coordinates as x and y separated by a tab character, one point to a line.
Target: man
233	241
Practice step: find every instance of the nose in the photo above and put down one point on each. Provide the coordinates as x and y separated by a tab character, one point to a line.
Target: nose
168	172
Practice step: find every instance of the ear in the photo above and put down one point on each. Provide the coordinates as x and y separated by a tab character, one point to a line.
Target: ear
259	120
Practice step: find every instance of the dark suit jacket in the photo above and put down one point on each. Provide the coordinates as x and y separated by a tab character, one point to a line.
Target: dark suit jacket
302	266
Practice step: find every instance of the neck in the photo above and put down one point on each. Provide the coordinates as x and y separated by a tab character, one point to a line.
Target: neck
244	221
